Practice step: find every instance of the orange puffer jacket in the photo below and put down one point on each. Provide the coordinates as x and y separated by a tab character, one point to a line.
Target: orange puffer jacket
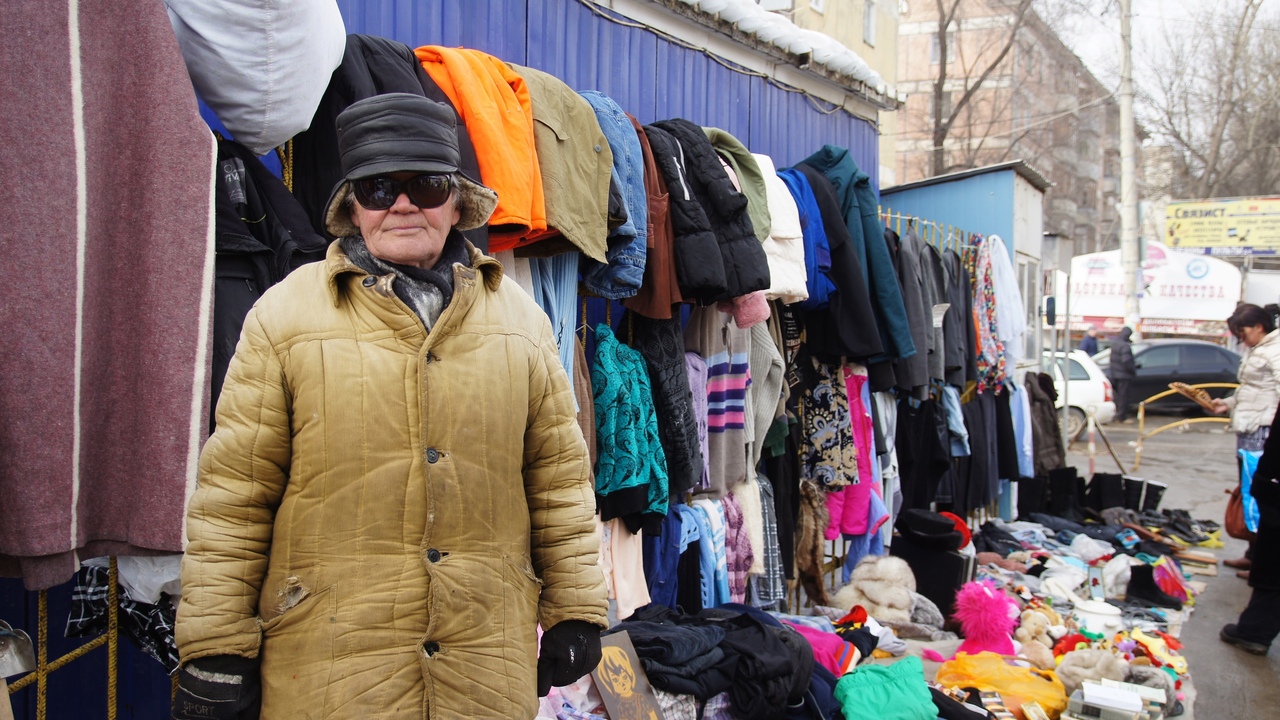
496	107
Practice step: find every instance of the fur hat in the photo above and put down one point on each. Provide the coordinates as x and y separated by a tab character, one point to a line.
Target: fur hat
402	132
883	585
987	615
1090	664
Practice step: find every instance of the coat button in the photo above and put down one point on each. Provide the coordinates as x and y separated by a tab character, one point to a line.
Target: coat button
433	555
431	648
369	281
432	455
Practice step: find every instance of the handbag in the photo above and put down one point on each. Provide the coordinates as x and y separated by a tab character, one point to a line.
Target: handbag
1234	520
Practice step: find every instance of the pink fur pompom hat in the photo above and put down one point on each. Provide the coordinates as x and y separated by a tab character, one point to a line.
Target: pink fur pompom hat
987	615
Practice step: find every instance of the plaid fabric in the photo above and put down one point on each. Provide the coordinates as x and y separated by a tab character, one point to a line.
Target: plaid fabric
150	627
771	587
676	707
717	708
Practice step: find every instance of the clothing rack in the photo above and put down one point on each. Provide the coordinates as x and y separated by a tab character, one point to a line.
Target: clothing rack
939	235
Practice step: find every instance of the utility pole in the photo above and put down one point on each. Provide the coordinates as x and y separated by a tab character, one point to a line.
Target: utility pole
1128	175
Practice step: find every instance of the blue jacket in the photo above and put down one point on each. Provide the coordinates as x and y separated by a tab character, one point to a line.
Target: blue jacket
862	217
817	251
628	244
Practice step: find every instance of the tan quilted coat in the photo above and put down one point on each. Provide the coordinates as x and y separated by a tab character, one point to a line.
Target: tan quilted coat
385	515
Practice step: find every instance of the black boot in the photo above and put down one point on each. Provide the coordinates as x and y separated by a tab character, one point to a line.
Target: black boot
1133	488
1143	588
1155	491
1106	490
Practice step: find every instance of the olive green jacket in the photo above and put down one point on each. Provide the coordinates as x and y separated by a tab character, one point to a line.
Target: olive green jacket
384	515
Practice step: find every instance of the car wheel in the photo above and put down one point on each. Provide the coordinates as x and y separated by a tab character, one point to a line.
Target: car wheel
1076	422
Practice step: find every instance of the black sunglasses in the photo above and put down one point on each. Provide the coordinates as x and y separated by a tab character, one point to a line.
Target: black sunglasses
381	192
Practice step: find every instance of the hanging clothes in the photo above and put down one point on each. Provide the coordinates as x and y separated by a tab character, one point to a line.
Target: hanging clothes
662	345
1006	439
631	473
714	336
912	372
622	563
959	333
370	66
936	291
1011	319
662	558
764	401
494	103
923	456
696	370
785	246
105	361
745	266
991	351
1020	404
861	215
770	586
621	276
700	267
739	555
829	455
660	288
850	326
751	182
575	162
555	286
817	247
714	562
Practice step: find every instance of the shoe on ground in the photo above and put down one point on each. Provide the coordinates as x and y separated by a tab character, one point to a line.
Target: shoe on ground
1228	635
1243	574
1239	563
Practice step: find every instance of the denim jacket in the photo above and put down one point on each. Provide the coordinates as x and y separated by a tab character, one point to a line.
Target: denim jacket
628	244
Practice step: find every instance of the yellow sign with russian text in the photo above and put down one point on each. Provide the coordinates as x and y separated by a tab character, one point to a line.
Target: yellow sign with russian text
1229	226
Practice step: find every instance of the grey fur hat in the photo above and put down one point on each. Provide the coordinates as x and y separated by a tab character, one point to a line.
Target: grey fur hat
402	132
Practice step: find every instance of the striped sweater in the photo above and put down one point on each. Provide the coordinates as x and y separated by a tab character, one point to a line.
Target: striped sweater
714	336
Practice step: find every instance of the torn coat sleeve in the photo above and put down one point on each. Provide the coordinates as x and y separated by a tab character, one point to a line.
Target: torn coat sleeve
563	541
243	473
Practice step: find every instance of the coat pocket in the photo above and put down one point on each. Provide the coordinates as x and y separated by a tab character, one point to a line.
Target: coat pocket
521	590
297	657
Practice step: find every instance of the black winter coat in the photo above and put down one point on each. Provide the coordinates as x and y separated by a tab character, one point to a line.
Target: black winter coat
661	342
746	268
261	235
1122	367
699	267
847	326
371	66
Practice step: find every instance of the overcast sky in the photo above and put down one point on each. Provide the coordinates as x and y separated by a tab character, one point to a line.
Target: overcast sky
1096	38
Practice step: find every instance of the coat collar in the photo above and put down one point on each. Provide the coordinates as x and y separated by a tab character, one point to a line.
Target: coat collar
338	264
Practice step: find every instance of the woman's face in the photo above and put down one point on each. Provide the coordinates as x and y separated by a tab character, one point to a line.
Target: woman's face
1251	335
404	233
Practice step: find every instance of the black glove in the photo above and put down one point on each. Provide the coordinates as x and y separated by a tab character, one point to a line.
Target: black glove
570	650
218	687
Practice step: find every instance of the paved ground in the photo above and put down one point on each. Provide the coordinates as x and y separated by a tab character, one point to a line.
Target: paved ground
1198	465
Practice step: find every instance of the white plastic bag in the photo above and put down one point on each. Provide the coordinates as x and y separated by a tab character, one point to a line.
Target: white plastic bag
262	66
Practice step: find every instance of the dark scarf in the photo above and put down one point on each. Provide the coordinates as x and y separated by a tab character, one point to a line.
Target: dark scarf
426	292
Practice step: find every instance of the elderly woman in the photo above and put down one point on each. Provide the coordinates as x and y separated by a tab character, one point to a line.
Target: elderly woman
397	491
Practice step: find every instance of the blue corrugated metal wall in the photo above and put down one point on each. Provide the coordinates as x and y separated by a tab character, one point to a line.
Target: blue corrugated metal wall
648	75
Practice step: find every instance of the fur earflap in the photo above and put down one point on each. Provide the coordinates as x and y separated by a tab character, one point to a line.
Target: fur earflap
987	616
